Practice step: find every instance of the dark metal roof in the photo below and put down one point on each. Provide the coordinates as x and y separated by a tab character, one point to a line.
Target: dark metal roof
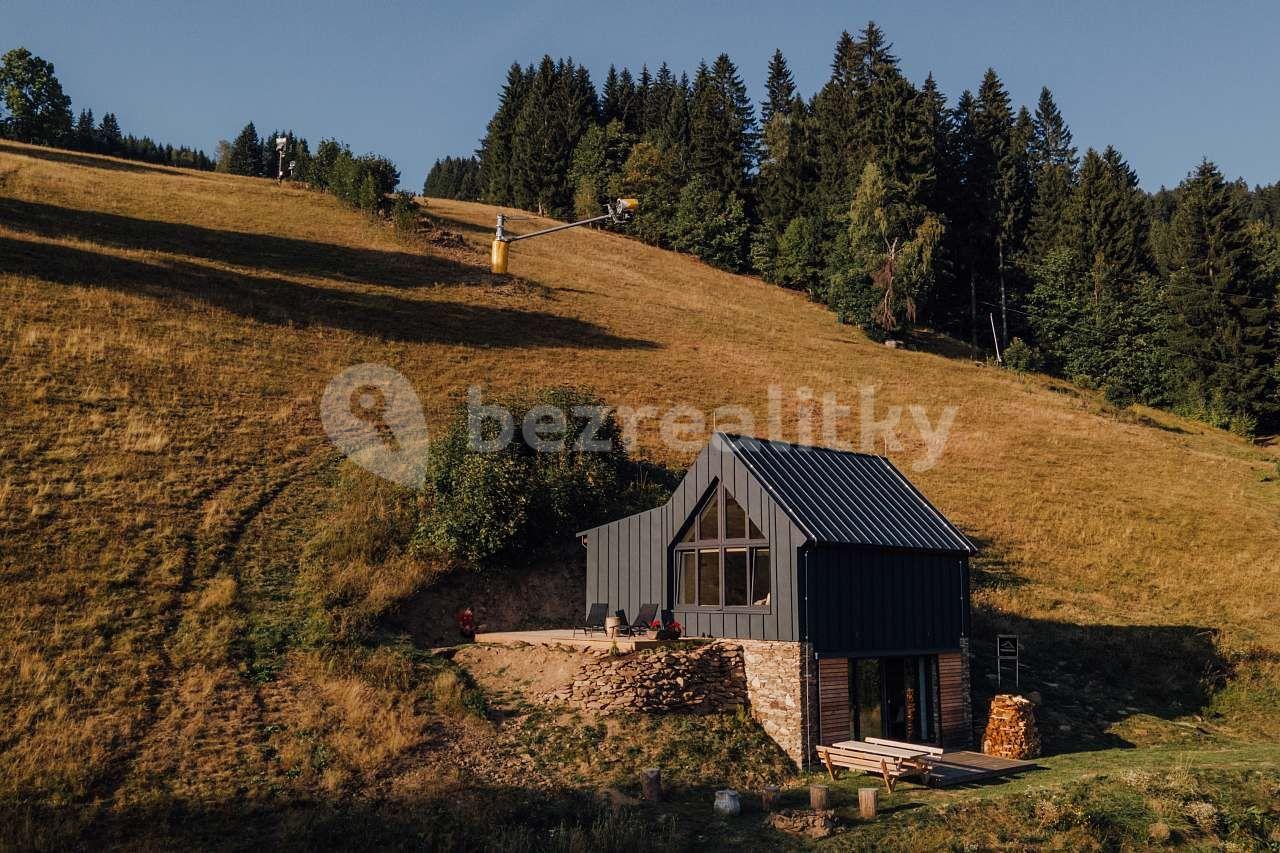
845	498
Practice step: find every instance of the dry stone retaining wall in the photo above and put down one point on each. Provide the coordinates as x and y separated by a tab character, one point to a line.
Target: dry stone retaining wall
766	676
701	678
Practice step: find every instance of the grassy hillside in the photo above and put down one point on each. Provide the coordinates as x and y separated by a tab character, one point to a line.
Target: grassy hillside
166	339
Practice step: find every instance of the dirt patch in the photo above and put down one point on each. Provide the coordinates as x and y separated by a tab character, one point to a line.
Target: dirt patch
547	595
531	671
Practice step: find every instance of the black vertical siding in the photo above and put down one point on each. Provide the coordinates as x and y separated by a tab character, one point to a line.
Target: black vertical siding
866	601
628	560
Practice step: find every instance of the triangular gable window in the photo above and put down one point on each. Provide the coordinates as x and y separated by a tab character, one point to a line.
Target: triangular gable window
723	558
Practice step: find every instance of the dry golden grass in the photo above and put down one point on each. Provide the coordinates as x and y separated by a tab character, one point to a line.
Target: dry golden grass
166	340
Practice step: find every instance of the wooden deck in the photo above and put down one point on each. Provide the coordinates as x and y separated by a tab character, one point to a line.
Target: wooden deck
963	766
566	637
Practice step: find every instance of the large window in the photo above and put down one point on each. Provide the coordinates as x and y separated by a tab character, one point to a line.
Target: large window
722	561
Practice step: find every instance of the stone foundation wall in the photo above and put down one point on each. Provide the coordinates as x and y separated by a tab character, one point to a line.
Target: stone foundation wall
768	677
700	679
782	693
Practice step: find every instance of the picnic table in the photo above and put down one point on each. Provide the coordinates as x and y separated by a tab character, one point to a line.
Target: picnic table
890	759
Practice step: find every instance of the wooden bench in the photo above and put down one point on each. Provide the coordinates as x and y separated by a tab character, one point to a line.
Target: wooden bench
891	760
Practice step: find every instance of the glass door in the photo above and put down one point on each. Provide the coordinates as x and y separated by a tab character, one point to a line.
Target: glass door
894	698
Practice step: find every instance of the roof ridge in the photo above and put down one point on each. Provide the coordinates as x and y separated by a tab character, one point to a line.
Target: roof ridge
732	436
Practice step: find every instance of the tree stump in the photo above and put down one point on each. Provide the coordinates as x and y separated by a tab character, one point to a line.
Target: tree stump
819	797
769	798
868	799
651	784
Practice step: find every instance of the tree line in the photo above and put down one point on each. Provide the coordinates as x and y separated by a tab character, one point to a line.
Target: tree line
366	182
884	201
34	109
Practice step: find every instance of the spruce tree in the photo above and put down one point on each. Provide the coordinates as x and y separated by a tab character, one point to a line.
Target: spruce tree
246	152
940	305
612	107
835	118
779	87
968	211
1053	162
1220	304
496	149
86	136
1105	224
658	102
110	138
723	137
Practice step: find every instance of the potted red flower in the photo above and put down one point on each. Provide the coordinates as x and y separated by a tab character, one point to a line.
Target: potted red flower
670	631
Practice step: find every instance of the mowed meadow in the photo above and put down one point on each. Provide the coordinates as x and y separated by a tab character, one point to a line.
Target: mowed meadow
166	339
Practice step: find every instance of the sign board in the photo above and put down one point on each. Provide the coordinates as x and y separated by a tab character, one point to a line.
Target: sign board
1007	650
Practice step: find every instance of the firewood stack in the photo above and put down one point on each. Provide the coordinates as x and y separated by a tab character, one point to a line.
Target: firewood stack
1011	728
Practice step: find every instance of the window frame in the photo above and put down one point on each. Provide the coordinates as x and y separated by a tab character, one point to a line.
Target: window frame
751	545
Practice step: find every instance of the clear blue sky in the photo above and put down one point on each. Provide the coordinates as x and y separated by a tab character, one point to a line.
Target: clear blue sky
1165	82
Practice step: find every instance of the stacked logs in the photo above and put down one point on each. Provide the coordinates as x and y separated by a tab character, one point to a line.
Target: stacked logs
1011	728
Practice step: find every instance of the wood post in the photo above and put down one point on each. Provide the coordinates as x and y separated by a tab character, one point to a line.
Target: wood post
819	798
769	798
867	801
651	784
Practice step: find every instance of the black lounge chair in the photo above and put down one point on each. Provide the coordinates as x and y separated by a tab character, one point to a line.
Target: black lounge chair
644	621
667	618
594	620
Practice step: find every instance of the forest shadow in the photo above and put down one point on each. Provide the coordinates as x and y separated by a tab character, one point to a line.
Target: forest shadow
458	818
281	255
1094	680
71	158
286	303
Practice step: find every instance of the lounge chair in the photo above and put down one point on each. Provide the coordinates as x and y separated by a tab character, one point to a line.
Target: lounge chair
667	618
594	620
644	621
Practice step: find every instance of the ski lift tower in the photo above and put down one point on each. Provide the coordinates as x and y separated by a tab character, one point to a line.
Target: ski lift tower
619	211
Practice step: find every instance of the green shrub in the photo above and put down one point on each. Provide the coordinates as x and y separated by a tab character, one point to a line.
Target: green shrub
1020	356
492	506
404	212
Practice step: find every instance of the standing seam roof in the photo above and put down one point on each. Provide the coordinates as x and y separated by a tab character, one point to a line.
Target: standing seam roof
842	497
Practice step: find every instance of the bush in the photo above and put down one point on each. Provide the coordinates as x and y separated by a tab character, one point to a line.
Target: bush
363	182
492	506
404	212
1019	356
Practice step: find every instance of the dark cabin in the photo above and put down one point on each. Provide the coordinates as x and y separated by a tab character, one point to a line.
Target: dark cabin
769	541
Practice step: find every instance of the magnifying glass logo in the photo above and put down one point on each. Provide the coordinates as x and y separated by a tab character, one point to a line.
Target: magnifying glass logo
372	414
369	404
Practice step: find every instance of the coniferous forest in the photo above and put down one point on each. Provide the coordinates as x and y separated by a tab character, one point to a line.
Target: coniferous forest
882	199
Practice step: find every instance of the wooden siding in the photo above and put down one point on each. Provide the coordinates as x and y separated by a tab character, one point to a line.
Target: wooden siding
953	700
869	603
834	712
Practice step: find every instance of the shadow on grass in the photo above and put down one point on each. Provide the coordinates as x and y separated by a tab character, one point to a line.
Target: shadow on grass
282	255
281	302
72	158
1091	677
474	818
